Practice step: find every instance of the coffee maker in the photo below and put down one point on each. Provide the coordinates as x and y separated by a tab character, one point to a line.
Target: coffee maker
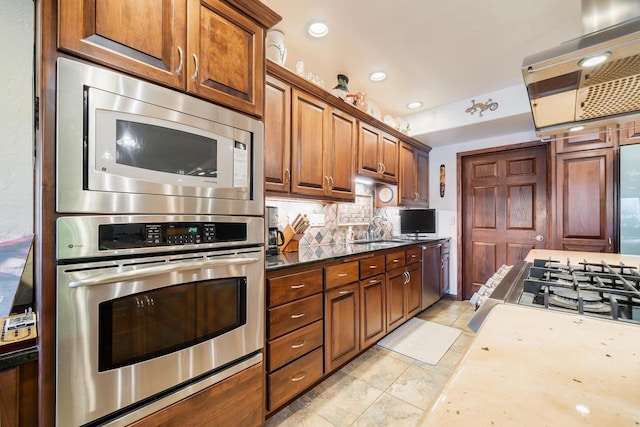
274	236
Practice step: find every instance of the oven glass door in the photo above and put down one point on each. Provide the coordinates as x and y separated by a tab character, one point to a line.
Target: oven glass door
149	324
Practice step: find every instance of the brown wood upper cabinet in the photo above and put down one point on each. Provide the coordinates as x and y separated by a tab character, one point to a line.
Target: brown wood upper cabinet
206	47
630	133
277	136
587	139
377	154
323	147
413	188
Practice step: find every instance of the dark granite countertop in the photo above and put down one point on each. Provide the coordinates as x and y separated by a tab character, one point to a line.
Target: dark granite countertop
18	357
310	254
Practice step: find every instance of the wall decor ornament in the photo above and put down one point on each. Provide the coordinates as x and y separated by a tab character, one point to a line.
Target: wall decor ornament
341	90
481	107
276	50
443	173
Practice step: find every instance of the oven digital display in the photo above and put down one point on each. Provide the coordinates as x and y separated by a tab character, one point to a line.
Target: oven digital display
175	231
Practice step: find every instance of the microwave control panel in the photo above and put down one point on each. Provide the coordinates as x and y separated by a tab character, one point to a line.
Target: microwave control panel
144	235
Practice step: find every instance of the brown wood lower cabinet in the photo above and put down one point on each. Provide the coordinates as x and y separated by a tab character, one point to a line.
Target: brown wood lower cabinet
294	378
18	395
236	401
373	325
342	325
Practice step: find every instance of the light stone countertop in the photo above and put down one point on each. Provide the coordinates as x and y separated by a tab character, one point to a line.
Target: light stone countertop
532	367
576	257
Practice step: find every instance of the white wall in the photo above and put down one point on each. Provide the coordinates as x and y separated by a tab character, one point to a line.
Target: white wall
447	208
16	118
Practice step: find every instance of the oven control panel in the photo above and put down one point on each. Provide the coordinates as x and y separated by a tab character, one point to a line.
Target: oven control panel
144	235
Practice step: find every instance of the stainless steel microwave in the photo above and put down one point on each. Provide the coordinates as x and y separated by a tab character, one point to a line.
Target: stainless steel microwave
128	146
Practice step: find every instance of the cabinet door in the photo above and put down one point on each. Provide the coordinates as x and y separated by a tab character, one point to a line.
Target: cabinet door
146	38
584	199
372	310
342	325
422	178
630	133
368	154
310	135
340	156
413	290
389	158
277	136
225	60
395	298
407	178
587	139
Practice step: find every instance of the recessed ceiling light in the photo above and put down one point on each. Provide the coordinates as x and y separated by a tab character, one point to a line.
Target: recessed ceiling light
318	29
378	76
576	128
594	60
414	105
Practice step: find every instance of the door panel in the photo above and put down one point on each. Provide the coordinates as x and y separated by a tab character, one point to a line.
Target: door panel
504	205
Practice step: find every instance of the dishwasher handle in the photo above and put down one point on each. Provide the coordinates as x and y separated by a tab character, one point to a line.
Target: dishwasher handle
104	279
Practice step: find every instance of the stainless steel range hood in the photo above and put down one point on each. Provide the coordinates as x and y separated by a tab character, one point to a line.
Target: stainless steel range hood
563	94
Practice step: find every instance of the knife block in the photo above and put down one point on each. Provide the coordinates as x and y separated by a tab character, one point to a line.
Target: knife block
291	239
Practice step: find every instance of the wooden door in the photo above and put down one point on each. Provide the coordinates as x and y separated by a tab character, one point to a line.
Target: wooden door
422	178
504	211
389	158
395	298
372	310
342	325
277	136
368	156
630	133
413	289
310	135
225	60
340	156
584	200
407	175
146	38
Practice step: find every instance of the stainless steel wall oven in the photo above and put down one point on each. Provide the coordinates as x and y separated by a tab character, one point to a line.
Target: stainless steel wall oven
152	309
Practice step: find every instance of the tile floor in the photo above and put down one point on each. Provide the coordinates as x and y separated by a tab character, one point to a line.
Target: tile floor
381	387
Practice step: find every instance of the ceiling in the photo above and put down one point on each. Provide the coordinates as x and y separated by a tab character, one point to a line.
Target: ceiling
433	51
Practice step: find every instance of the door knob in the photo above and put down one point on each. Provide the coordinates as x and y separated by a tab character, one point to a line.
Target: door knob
539	237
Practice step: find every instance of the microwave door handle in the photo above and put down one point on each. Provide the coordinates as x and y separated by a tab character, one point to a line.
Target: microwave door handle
104	279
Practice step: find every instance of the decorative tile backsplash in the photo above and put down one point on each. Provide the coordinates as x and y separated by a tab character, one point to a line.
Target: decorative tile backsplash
339	216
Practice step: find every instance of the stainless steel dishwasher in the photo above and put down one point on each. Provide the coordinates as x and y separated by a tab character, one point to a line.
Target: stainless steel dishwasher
431	273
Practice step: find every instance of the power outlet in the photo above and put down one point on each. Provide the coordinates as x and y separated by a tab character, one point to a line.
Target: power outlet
316	220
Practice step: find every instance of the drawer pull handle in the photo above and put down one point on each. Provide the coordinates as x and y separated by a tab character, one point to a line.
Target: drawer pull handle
396	260
297	316
345	292
301	285
371	267
371	282
299	345
300	376
343	274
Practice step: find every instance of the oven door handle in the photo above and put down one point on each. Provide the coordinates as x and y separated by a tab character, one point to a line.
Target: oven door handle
104	279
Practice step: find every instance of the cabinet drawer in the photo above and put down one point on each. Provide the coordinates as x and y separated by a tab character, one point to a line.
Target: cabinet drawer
413	255
294	315
293	345
341	274
372	266
395	260
294	378
291	287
